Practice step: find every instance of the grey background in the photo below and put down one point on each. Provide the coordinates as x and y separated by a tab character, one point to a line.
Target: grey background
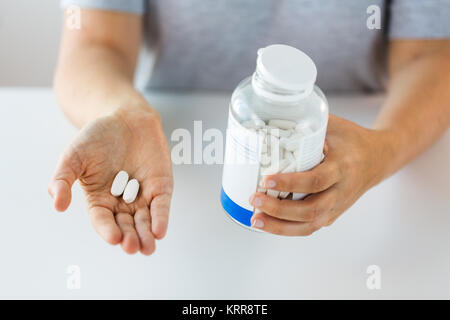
29	39
30	32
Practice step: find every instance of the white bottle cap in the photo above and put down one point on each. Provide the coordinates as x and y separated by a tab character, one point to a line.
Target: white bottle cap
287	68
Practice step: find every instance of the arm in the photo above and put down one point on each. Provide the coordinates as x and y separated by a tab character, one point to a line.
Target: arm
95	71
120	131
416	113
417	109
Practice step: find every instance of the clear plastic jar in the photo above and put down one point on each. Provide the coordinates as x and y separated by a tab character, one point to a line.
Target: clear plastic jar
282	88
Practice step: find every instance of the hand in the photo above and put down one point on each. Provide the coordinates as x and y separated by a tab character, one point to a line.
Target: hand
353	163
130	140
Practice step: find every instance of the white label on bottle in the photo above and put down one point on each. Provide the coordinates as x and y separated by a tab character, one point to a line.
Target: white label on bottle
241	166
240	170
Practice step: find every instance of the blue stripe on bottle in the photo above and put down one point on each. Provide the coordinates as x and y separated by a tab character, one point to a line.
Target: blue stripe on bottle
236	211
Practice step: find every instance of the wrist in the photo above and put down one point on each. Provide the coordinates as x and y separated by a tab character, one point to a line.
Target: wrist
383	152
133	104
137	110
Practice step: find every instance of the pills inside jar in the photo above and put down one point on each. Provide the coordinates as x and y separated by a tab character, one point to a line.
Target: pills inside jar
277	123
281	139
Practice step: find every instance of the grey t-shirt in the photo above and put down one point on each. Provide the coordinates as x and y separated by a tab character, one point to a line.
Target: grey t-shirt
212	44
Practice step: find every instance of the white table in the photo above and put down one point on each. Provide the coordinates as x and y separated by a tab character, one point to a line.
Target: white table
402	225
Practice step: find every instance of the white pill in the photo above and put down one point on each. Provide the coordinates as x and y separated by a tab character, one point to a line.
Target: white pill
304	128
273	193
277	132
264	147
119	183
275	167
282	124
282	153
284	194
290	168
254	124
292	143
261	189
248	124
285	133
268	171
265	159
290	156
259	123
298	196
282	164
131	191
297	155
273	143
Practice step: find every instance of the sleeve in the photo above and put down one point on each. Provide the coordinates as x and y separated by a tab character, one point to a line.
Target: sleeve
419	19
130	6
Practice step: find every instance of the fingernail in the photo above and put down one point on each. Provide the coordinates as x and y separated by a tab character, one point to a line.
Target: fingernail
257	202
269	183
258	224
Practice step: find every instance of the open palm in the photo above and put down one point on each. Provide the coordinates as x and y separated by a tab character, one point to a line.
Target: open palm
132	141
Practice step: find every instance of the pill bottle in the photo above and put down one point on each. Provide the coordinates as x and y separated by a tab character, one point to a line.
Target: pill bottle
281	90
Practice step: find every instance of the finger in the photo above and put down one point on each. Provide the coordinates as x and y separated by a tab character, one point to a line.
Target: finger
304	210
159	210
67	171
130	240
143	228
280	227
329	220
315	180
105	225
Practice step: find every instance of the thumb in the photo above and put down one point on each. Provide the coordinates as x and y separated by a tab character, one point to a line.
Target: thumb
67	171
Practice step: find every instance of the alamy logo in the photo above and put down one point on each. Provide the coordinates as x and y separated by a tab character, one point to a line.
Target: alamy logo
374	20
74	278
190	149
374	280
182	152
73	19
